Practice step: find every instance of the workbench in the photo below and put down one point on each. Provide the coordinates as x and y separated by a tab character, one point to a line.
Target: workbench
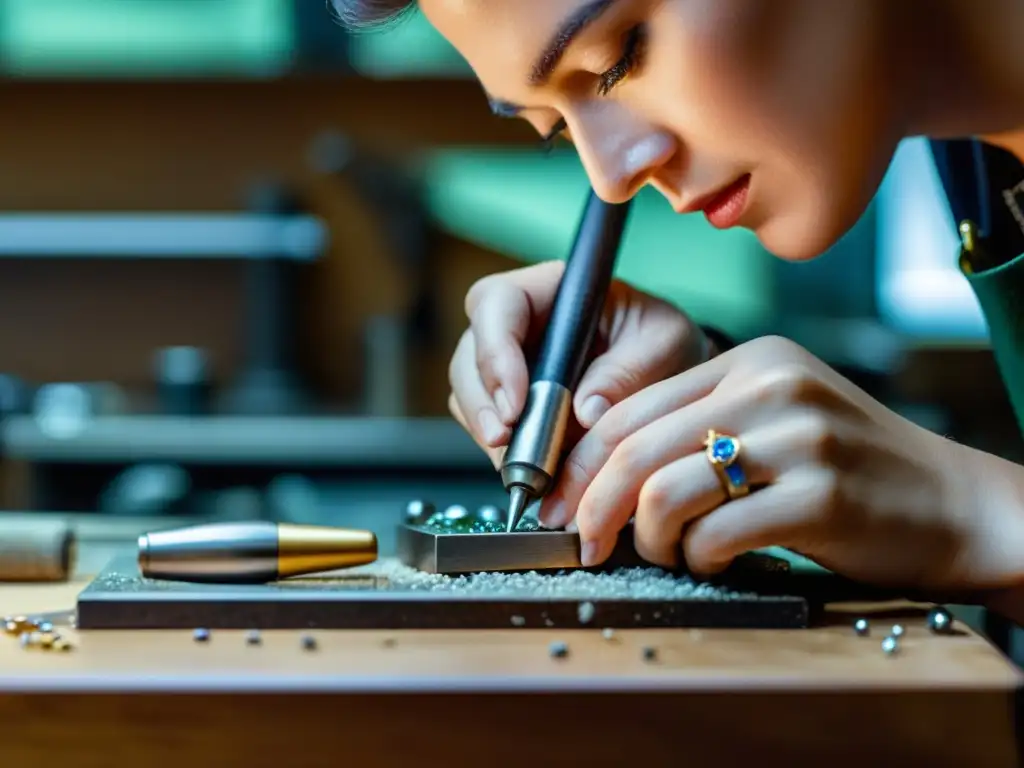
724	697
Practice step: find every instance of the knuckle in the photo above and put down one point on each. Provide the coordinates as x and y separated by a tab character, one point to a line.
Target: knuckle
778	346
788	384
818	433
478	292
657	497
625	457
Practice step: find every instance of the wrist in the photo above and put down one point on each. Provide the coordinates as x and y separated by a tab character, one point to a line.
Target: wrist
995	516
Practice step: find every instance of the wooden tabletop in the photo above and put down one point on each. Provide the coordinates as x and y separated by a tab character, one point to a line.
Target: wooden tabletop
716	695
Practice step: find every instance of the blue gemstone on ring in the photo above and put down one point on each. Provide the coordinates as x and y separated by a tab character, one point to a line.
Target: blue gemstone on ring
735	474
723	449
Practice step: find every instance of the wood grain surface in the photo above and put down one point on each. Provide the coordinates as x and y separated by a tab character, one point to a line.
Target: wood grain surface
470	697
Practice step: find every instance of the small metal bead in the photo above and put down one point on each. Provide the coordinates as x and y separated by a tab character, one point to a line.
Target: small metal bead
62	645
253	637
201	635
608	633
891	646
390	642
28	639
490	514
940	621
47	639
897	630
456	512
861	627
418	511
650	653
45	626
558	650
518	621
308	643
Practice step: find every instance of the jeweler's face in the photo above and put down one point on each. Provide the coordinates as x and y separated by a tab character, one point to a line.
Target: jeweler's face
690	96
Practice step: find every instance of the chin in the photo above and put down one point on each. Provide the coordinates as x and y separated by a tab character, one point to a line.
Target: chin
804	235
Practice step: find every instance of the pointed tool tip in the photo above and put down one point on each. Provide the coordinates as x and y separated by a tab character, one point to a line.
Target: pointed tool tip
518	499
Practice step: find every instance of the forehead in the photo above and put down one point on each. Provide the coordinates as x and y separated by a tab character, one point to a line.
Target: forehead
500	39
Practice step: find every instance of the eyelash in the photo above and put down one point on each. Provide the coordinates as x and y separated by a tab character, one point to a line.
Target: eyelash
632	54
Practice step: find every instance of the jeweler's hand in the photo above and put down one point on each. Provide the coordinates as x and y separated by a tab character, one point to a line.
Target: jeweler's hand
834	475
641	340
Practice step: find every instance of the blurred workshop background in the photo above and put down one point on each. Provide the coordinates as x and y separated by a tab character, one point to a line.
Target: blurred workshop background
234	245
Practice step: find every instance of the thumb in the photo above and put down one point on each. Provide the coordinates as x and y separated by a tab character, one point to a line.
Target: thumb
661	343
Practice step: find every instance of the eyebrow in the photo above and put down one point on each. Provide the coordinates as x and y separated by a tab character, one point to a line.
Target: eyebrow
571	28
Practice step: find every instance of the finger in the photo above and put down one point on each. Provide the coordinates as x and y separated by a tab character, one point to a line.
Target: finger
775	442
689	488
494	454
474	403
502	310
627	418
652	343
782	514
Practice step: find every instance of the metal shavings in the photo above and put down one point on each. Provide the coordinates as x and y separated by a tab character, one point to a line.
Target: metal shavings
652	584
201	635
585	612
897	631
891	646
27	639
650	653
253	637
390	642
608	633
44	626
518	621
861	627
308	643
35	633
549	623
558	650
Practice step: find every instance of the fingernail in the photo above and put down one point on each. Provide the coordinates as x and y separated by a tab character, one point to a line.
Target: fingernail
552	514
594	407
590	554
504	406
490	428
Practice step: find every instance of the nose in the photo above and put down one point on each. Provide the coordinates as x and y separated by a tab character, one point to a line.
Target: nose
620	162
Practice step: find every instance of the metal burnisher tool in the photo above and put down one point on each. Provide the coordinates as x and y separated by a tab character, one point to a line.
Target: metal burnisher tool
251	553
532	459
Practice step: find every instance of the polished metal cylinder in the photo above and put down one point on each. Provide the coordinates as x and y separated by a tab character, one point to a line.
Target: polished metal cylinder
252	552
531	460
236	552
36	550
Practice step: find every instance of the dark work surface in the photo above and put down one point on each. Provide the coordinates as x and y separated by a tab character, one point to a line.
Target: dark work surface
120	599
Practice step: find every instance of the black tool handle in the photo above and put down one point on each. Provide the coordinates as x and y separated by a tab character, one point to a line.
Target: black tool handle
582	293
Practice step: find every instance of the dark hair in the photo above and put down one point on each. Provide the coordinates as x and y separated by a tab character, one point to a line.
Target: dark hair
358	15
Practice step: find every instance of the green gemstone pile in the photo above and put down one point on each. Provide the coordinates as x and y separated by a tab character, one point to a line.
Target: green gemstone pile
458	519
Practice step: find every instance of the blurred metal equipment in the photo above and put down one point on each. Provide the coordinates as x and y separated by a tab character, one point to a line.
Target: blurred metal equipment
170	236
395	196
182	381
255	552
15	396
147	490
269	383
422	443
64	409
37	549
271	240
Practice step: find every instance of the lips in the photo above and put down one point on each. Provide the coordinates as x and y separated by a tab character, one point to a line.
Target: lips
724	207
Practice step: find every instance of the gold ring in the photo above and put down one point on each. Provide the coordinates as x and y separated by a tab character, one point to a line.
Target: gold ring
723	453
